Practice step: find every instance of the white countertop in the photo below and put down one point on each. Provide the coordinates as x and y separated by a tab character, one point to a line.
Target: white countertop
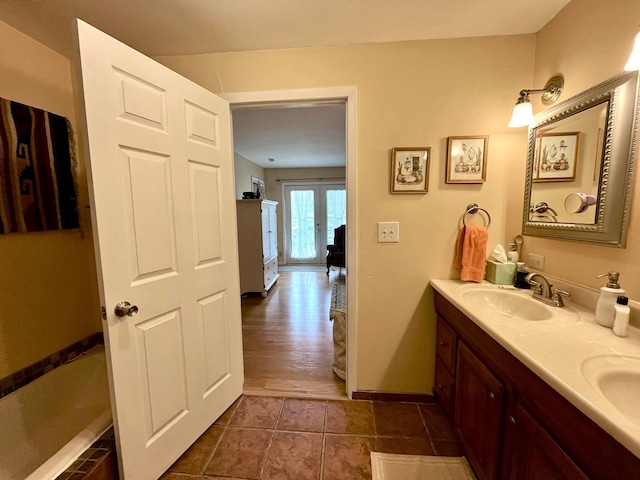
557	349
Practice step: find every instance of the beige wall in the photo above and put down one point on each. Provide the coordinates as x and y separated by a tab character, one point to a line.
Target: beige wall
588	42
409	94
48	296
277	177
244	170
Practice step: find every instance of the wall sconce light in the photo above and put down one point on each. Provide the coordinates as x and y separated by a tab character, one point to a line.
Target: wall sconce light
523	111
634	60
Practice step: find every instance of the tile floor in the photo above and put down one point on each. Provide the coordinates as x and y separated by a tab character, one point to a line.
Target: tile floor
263	438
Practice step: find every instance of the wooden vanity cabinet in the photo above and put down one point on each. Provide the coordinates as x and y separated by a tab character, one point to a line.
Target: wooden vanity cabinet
531	453
478	412
510	422
446	348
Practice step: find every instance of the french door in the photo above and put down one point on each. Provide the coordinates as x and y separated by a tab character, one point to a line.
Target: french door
312	213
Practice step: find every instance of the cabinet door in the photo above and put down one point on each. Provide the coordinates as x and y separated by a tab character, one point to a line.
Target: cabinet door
446	345
269	231
273	231
444	388
478	413
266	245
532	454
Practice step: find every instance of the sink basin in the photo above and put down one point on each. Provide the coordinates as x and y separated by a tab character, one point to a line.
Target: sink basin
616	378
508	303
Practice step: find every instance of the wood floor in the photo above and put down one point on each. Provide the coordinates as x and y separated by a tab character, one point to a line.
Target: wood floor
288	337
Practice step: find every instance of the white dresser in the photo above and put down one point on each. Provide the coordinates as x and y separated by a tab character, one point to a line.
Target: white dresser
257	245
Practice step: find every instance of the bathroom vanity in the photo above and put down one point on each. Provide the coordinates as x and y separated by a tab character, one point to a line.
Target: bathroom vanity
514	376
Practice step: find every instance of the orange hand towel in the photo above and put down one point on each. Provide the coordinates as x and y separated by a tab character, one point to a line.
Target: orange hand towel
471	253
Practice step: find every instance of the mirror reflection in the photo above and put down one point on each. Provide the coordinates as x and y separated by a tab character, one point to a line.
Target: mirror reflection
580	162
566	170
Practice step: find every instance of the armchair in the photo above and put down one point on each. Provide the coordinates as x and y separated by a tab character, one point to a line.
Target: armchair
336	253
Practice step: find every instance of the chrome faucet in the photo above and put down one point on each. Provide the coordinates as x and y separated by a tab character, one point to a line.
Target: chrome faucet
545	292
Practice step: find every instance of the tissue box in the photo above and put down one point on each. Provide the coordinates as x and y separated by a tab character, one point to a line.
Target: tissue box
501	273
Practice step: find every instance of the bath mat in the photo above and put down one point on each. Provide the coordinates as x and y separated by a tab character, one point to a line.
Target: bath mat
387	466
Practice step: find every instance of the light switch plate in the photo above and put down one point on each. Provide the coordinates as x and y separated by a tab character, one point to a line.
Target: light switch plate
388	232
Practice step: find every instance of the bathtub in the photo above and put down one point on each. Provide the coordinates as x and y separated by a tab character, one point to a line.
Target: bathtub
47	424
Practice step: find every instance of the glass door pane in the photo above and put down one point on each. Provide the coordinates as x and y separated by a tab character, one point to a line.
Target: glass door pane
303	225
336	208
312	214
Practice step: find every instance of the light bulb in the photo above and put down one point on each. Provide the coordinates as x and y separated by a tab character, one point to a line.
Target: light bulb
634	60
522	115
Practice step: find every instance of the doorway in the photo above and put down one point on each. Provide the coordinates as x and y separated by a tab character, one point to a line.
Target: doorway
348	96
312	212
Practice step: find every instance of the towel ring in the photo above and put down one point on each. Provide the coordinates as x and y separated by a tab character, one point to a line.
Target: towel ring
473	208
543	207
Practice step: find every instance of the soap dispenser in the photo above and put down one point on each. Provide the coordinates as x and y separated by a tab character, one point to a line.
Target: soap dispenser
605	308
521	275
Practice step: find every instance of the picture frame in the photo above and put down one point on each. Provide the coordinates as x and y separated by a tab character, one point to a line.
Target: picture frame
410	169
536	161
598	159
467	159
558	157
257	186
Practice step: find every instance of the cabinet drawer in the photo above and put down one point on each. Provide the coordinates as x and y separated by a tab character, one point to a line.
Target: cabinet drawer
446	345
444	387
270	272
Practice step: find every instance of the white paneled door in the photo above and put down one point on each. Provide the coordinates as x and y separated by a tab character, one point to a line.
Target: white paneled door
164	224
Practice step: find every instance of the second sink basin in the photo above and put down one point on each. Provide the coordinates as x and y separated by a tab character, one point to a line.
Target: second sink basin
617	378
508	303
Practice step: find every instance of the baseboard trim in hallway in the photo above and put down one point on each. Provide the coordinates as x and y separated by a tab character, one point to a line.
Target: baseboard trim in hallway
302	268
393	397
300	396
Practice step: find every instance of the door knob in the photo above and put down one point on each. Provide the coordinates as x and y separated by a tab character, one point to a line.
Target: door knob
125	309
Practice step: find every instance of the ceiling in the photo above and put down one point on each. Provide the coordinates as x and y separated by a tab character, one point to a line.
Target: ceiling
313	136
183	27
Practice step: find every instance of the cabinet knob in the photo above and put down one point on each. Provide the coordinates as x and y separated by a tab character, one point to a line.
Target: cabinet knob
492	396
441	343
512	420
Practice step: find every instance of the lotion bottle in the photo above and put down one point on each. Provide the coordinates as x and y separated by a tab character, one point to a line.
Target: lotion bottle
621	319
605	311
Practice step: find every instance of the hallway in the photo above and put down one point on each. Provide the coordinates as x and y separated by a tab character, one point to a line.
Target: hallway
288	337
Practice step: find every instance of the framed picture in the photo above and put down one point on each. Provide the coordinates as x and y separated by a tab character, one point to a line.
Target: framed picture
558	157
467	159
257	186
536	161
410	170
